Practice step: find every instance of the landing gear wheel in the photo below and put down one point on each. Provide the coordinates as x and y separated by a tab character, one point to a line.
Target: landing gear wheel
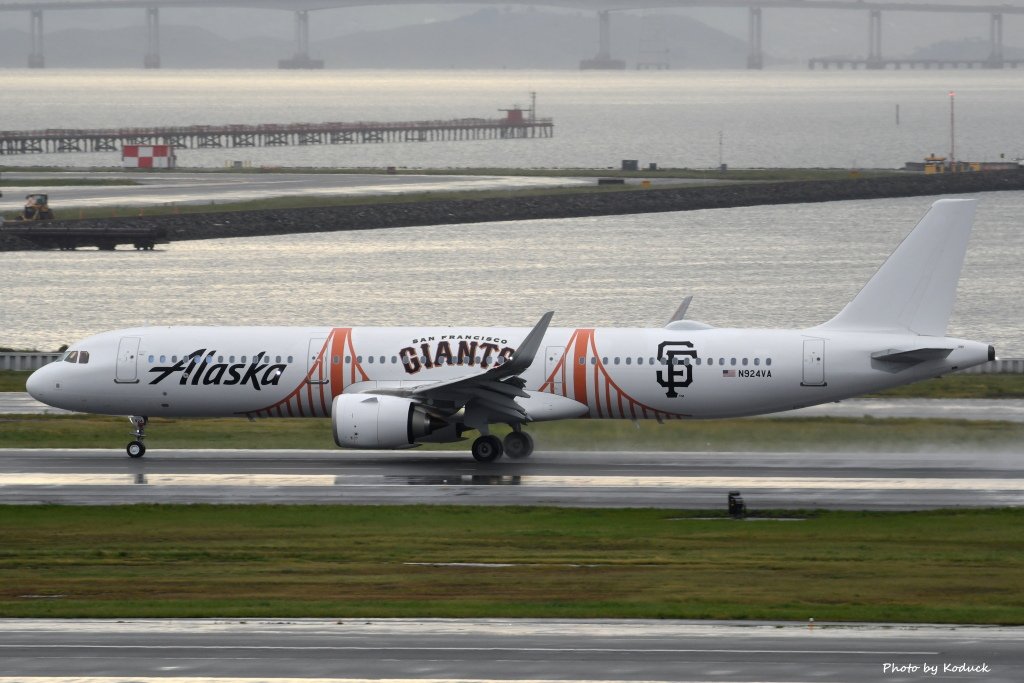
487	448
518	445
136	449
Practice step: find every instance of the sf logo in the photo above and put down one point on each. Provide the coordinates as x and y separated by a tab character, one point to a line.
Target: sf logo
676	374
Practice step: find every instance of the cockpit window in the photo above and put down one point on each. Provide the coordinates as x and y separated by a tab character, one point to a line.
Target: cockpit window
71	357
83	356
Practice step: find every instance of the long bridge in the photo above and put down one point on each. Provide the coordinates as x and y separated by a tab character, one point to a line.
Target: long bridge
604	58
514	126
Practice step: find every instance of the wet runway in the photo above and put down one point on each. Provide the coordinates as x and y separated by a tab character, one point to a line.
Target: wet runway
999	410
188	651
852	481
206	188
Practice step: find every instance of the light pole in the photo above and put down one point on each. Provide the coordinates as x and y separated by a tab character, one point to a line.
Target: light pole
952	129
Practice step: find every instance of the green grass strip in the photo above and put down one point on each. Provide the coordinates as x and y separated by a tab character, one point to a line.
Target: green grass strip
762	434
963	566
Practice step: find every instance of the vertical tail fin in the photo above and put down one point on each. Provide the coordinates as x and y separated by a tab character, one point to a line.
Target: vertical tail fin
915	288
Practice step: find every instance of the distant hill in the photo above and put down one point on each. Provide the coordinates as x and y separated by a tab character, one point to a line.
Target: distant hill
486	39
974	49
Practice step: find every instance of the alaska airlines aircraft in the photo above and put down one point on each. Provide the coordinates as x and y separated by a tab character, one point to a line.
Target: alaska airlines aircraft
398	387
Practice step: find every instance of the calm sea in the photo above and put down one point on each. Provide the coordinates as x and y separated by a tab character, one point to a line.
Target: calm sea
673	118
793	265
771	266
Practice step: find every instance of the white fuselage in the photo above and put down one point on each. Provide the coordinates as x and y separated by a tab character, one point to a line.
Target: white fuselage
633	373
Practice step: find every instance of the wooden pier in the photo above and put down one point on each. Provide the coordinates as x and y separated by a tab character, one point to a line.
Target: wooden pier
897	64
51	141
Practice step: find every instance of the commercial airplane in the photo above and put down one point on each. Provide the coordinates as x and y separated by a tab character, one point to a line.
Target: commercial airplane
398	387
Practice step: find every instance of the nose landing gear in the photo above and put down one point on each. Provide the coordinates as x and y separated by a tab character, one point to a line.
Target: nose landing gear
137	449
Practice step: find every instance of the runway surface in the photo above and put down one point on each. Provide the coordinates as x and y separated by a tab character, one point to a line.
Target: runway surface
853	481
158	189
188	651
999	410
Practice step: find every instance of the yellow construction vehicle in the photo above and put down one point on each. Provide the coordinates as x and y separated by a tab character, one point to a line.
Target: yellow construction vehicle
37	208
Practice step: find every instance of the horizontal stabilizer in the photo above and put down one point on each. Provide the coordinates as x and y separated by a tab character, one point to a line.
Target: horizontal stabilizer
911	356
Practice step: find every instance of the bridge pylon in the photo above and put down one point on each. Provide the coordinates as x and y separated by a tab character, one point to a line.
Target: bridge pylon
152	58
603	60
755	54
301	58
36	60
995	58
875	60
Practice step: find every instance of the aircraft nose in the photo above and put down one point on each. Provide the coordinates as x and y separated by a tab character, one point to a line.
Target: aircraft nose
36	383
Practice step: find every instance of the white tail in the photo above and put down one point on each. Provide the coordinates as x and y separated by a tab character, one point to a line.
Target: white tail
915	288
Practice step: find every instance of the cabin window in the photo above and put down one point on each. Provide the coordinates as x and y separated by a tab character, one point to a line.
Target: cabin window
593	360
220	359
152	358
732	361
604	360
394	359
698	361
767	361
290	359
337	360
83	356
277	359
721	361
744	361
348	359
359	359
629	361
369	359
616	360
583	360
163	359
242	359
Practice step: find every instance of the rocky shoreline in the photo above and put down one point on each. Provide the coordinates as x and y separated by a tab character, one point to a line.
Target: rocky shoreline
521	208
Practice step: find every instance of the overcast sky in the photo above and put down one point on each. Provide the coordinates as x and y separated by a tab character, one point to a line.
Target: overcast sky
789	34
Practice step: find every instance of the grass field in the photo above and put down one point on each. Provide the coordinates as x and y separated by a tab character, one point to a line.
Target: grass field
763	434
340	561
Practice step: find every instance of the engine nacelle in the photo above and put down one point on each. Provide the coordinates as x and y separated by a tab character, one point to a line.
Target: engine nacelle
377	421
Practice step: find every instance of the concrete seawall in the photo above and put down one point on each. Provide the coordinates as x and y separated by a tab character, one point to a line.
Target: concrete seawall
561	205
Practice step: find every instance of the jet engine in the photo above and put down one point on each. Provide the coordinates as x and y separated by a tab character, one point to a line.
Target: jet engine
378	421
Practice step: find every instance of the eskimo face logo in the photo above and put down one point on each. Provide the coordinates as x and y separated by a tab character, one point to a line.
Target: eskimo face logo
198	368
677	374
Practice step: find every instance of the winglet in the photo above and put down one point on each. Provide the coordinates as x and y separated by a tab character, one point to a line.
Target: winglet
527	351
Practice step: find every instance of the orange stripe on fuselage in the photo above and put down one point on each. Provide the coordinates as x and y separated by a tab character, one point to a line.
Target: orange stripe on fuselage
579	372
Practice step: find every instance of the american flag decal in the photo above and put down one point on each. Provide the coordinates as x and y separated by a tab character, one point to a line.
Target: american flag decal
728	373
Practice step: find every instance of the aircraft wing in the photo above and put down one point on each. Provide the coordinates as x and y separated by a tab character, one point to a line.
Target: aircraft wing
491	393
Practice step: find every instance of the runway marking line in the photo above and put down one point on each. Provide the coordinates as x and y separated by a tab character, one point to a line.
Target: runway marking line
553	650
388	481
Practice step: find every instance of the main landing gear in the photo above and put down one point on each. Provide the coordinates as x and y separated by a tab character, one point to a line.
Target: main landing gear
488	448
137	449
